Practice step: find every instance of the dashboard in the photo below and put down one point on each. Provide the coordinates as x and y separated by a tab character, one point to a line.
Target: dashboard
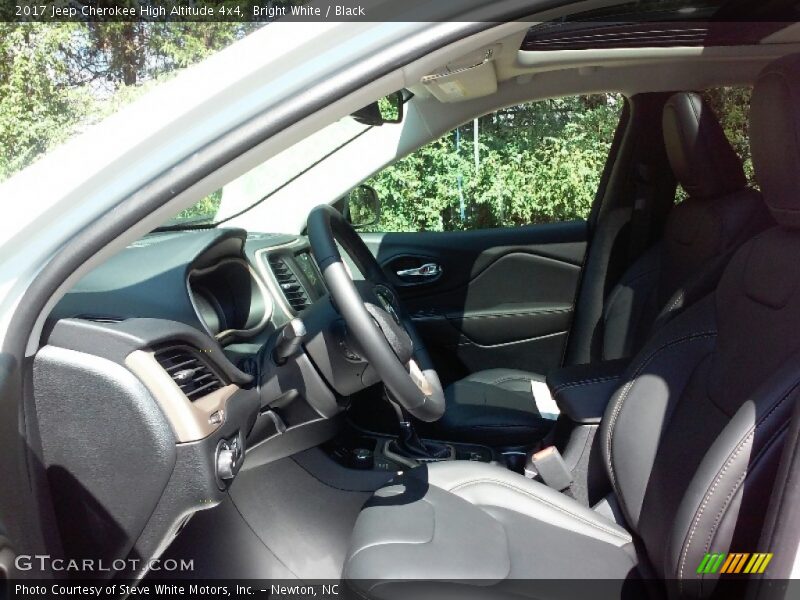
234	286
160	361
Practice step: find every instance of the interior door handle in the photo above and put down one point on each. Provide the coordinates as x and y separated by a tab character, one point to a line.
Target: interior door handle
425	271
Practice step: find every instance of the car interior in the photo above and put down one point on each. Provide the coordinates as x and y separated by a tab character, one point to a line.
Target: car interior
488	410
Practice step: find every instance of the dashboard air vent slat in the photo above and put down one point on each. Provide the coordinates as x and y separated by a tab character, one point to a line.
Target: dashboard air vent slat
189	371
292	289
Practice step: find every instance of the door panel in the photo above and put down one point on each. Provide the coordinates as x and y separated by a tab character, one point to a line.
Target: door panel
498	298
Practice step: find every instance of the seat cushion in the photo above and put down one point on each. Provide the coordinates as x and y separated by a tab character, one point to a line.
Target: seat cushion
493	407
425	526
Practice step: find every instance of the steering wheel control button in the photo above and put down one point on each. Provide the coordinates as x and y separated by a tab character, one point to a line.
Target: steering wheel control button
348	353
387	301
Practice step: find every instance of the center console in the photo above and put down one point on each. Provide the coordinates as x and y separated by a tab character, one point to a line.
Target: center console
572	453
376	452
582	393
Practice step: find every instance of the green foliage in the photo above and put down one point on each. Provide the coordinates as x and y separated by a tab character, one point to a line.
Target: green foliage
539	162
203	210
732	107
57	78
38	106
390	107
362	208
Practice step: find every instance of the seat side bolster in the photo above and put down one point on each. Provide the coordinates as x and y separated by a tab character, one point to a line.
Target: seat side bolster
732	484
490	485
644	402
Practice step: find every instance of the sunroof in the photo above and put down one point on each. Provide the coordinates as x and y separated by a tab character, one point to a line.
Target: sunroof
657	24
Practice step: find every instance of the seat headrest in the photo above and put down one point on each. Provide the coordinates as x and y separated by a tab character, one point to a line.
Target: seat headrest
775	138
702	158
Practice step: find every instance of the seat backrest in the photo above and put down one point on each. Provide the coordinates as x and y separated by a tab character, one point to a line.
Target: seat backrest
692	440
701	232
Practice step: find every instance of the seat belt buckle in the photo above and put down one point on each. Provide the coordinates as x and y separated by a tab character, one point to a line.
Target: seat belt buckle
549	466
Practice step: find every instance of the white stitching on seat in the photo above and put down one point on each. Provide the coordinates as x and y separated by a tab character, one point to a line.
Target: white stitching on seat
676	301
739	481
507	379
583	382
736	486
718	478
505	484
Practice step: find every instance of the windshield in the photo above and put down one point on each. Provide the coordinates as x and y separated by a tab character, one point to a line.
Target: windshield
257	185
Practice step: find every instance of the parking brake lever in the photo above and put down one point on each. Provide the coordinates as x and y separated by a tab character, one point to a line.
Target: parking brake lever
289	340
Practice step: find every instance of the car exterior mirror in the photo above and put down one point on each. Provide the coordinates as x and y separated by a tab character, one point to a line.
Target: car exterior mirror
362	207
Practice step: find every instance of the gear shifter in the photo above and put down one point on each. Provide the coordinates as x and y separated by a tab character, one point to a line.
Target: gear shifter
409	444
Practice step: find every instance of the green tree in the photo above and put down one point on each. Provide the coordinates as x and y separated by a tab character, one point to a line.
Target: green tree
38	103
539	162
58	77
732	107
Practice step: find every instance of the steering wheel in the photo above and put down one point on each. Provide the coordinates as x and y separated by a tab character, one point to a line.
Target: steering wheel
374	317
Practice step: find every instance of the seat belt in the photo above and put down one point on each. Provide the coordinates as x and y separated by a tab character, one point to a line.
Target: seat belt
639	237
642	214
548	465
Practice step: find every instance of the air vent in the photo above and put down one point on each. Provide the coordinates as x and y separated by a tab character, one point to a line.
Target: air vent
292	289
192	374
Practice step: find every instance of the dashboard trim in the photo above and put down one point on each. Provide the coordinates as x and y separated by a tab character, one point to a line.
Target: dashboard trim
269	301
191	421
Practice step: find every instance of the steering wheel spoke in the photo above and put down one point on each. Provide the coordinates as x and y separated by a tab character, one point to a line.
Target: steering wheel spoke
393	348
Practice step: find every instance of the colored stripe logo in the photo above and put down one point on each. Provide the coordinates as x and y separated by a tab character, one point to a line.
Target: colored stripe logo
735	562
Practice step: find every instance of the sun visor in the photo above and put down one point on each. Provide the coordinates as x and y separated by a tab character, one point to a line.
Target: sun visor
472	76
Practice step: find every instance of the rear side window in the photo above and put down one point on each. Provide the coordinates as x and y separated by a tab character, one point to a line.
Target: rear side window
538	162
732	107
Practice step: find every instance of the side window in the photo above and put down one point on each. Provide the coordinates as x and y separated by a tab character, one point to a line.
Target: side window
732	107
538	162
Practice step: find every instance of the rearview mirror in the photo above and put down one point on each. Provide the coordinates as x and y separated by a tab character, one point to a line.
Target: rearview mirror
388	109
362	207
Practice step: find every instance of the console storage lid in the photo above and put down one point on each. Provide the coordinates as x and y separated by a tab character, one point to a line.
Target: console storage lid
582	392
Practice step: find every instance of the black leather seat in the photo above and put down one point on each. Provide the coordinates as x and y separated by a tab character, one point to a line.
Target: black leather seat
691	441
496	406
